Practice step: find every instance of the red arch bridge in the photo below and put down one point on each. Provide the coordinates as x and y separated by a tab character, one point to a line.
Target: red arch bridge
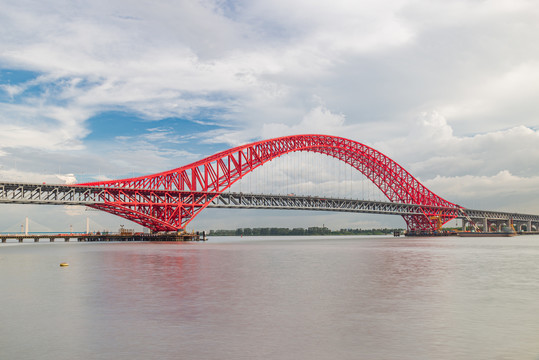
169	200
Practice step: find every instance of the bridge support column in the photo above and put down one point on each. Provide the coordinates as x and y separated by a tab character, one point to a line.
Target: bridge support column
463	224
485	225
529	226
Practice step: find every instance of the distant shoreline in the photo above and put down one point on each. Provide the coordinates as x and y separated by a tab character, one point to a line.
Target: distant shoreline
299	231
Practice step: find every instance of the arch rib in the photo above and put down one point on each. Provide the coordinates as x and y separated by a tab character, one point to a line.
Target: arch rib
205	179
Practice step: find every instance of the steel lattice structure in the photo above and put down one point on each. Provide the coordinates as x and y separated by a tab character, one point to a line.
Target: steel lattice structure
169	200
52	194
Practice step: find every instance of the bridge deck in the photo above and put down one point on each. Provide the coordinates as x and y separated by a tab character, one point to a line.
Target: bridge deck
28	193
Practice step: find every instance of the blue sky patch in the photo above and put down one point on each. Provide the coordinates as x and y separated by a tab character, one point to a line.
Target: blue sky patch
29	88
14	77
9	77
111	124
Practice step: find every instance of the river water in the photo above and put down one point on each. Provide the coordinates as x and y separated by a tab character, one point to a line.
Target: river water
281	298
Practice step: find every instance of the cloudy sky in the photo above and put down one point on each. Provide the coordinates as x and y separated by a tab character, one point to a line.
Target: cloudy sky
112	89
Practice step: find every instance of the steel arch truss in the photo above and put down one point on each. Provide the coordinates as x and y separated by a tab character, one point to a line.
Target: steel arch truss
202	181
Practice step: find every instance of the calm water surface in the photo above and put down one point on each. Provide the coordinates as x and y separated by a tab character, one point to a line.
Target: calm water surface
283	298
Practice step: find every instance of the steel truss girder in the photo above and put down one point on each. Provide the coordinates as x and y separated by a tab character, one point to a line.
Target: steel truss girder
263	201
499	215
288	202
138	203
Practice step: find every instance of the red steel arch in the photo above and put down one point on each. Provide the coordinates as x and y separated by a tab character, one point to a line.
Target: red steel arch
168	201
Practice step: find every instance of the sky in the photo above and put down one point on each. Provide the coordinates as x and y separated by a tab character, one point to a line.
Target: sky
111	89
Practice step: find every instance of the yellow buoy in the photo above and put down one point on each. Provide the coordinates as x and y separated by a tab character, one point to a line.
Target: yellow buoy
64	264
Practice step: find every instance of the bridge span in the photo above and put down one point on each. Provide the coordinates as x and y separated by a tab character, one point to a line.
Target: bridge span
56	194
169	200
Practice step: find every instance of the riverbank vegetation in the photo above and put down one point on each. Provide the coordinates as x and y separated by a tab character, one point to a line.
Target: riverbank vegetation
300	231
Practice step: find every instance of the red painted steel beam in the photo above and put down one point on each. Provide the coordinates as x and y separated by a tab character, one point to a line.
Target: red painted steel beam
208	177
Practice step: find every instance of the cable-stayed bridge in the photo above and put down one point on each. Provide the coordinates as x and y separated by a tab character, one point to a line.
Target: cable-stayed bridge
168	201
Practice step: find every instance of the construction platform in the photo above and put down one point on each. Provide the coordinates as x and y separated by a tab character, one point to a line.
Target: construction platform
103	237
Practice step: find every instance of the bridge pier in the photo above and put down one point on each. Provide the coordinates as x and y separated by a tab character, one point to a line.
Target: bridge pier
494	226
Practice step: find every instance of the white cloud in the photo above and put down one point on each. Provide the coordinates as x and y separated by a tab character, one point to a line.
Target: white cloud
509	93
318	120
430	147
14	175
41	126
67	178
153	62
263	61
368	24
503	191
12	90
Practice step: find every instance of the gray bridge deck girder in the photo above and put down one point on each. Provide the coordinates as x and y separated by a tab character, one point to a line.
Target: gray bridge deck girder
52	194
288	202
